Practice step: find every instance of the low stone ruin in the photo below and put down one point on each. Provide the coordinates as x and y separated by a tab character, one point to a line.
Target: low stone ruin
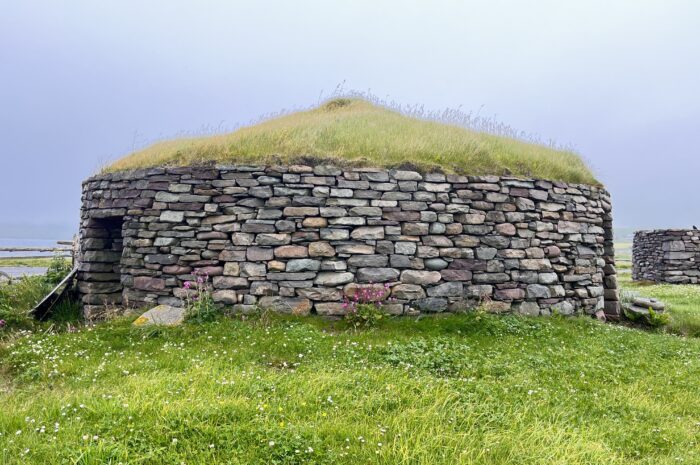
642	307
666	256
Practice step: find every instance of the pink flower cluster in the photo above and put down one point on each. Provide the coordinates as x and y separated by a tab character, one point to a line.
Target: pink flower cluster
371	294
199	285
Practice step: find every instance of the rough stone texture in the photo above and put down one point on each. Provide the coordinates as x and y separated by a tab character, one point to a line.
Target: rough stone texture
296	239
165	315
666	256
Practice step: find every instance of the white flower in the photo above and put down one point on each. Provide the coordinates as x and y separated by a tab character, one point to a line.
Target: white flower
271	443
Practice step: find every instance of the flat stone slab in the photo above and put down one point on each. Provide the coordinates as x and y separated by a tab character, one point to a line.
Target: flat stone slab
654	304
640	311
164	315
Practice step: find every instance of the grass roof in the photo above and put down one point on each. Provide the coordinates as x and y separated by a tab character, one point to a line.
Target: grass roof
355	132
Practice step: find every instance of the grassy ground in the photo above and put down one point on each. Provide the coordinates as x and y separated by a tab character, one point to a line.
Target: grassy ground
18	298
356	132
475	388
25	261
683	302
460	389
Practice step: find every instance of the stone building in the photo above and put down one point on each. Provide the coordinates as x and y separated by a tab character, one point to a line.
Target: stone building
666	256
298	238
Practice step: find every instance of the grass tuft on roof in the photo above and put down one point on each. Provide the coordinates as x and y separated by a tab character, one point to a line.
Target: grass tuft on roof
356	132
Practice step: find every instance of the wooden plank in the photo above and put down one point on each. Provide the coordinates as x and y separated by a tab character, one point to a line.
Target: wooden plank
5	277
43	308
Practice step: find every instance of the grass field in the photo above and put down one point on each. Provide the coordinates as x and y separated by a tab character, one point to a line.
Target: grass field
357	132
683	302
473	389
460	389
25	261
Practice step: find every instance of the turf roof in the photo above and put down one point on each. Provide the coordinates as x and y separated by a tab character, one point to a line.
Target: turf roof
355	132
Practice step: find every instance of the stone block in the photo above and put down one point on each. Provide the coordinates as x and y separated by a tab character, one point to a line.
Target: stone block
368	260
294	306
431	304
303	264
330	308
368	233
248	269
420	277
291	251
259	254
436	264
321	249
334	234
165	315
450	289
333	279
377	275
273	239
321	294
314	222
529	308
146	283
225	296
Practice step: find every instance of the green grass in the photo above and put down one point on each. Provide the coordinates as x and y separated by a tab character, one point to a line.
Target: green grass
22	295
473	388
18	298
358	133
25	261
683	301
458	389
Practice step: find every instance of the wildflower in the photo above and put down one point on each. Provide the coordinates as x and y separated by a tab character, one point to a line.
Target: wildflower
187	284
271	443
2	323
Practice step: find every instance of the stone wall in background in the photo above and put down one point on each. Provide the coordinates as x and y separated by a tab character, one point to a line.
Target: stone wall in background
299	238
666	256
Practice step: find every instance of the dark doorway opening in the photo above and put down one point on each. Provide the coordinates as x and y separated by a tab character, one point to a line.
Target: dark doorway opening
100	267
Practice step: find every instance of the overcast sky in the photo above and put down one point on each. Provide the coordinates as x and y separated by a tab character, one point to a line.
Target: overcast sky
82	83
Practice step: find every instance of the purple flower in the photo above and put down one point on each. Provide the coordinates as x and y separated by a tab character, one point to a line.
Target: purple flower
2	323
187	285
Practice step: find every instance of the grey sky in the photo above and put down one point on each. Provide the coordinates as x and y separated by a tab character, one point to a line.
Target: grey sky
84	82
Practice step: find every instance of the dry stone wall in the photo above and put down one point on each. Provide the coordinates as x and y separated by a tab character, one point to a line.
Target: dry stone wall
299	238
666	256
